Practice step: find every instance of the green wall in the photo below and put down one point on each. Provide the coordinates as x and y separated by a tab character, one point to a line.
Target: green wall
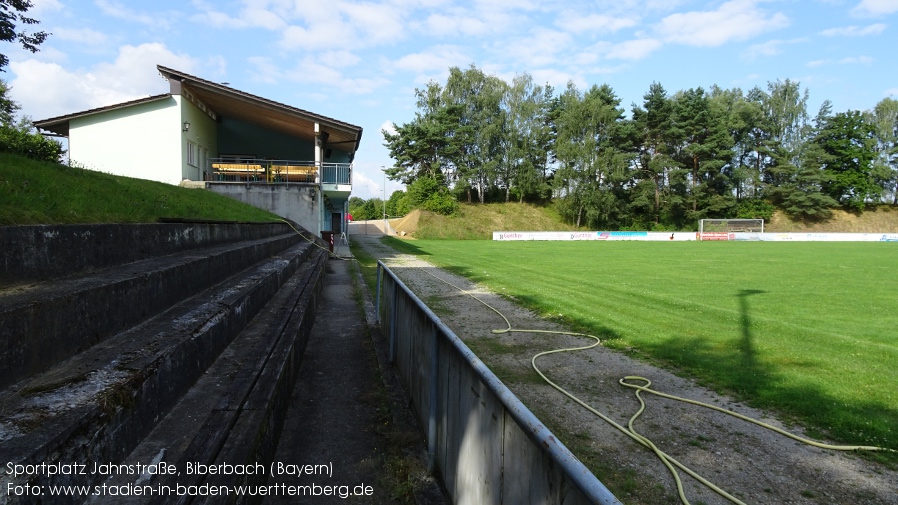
239	137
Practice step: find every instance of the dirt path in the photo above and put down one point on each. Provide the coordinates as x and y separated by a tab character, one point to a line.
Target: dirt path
753	464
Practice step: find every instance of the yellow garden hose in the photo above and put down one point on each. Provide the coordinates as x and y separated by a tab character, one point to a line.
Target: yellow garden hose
644	386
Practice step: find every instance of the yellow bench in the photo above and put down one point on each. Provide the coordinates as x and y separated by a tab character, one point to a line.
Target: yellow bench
237	171
292	173
238	167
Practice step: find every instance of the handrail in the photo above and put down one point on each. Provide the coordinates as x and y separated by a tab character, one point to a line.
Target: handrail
540	436
271	171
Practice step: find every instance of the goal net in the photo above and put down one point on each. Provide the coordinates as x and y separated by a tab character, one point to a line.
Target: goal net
731	225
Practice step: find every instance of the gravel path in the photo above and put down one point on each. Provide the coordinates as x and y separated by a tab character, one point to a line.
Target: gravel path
753	464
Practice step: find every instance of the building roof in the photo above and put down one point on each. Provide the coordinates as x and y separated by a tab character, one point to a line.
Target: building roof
226	101
60	124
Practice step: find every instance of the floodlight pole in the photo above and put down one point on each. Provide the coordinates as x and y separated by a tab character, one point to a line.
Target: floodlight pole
384	169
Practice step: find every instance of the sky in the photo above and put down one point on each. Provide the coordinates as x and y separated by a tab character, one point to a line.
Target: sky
361	61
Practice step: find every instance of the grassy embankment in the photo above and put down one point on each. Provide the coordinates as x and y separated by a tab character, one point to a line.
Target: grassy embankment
478	222
33	192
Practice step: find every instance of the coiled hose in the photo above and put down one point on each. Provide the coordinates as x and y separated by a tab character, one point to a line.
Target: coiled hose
643	385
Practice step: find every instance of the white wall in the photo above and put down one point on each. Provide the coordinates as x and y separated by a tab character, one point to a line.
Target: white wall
142	141
203	133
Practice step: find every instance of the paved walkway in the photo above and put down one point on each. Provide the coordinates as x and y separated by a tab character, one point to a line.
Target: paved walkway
337	417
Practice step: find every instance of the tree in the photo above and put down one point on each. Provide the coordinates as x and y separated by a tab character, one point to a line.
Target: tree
800	177
431	144
20	137
482	124
704	148
427	193
650	136
593	171
8	107
884	119
12	13
848	142
525	143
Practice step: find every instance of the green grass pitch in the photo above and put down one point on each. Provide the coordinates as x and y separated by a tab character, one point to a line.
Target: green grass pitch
809	330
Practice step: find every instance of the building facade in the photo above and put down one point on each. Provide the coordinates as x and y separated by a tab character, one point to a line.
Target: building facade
290	161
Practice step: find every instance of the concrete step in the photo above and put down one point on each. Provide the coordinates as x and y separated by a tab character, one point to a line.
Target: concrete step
38	253
235	411
43	324
99	404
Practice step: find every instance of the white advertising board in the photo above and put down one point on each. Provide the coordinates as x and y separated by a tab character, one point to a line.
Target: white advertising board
691	236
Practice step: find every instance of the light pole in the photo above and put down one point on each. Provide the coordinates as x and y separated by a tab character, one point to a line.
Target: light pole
384	169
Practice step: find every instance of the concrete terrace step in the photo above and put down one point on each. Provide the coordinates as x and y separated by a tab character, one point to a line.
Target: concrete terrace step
42	324
42	252
99	404
235	411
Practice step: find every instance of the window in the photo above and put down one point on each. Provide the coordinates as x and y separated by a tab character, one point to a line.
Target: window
192	154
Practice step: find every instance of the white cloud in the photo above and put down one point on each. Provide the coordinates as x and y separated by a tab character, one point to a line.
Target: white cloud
853	60
266	70
634	49
125	13
874	8
364	186
735	20
48	90
387	126
342	25
769	48
375	24
443	25
340	58
556	78
541	47
850	60
854	31
319	36
251	16
577	22
325	76
84	36
438	58
41	7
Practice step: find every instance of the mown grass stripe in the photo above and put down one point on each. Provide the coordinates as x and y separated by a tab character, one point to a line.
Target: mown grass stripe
807	329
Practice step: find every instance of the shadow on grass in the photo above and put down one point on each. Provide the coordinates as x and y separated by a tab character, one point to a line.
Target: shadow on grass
737	369
404	246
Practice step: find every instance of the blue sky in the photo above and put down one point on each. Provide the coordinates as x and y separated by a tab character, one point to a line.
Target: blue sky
360	61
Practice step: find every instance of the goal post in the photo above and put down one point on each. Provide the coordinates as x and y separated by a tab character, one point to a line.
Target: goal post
730	226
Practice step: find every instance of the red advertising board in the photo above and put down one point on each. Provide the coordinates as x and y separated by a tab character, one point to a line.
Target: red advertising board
716	235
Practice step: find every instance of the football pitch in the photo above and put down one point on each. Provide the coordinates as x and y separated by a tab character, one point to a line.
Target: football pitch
808	329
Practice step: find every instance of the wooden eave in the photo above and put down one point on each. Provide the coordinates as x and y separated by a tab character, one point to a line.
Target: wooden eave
226	101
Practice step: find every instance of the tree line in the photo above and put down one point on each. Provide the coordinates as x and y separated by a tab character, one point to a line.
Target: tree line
18	136
677	158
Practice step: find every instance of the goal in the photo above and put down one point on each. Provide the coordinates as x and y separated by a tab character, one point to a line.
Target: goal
731	225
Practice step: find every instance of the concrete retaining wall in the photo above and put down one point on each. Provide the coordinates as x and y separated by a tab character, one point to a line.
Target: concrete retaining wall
35	253
296	202
485	445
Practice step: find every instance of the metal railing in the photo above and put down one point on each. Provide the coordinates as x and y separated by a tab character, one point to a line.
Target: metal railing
484	444
336	173
270	171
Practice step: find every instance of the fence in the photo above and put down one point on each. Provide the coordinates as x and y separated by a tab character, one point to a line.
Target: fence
484	444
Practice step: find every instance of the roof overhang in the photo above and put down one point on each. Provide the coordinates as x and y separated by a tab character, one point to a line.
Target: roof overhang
230	102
